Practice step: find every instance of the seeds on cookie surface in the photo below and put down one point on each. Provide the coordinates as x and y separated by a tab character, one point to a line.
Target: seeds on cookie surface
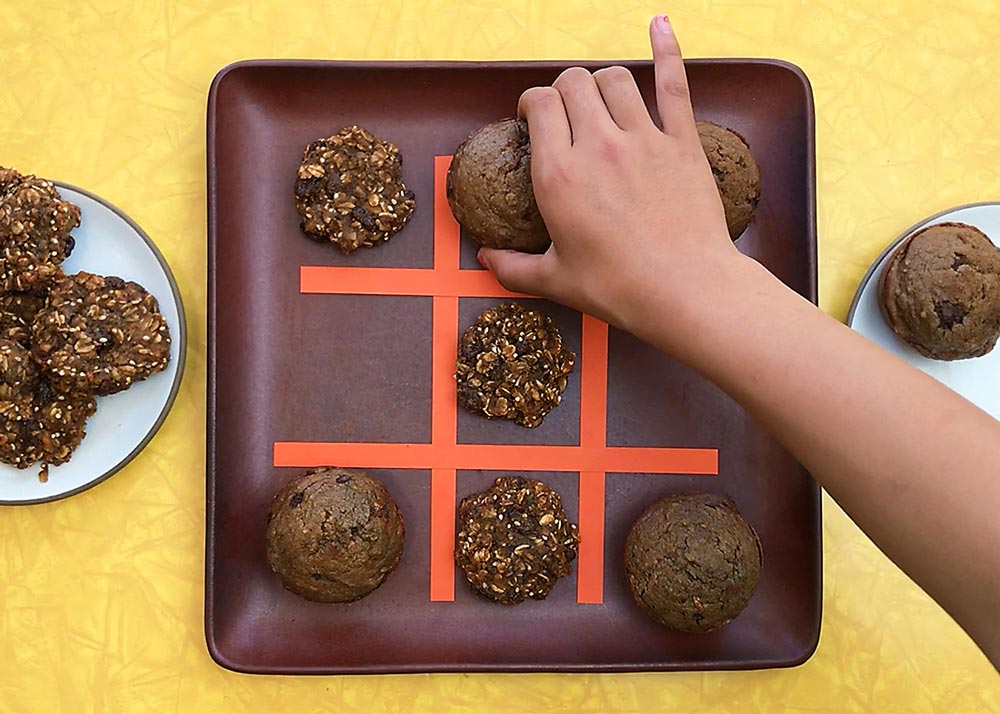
18	372
84	335
17	312
46	427
349	190
99	335
512	364
35	225
514	540
63	339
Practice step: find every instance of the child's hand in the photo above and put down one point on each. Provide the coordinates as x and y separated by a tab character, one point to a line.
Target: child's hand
633	210
639	239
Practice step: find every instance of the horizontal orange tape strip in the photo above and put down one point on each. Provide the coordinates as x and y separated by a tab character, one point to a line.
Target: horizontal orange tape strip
497	458
329	280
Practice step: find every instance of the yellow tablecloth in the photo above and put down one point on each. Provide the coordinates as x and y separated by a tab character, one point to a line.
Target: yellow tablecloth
101	595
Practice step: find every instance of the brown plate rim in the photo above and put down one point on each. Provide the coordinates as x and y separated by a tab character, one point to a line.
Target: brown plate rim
210	464
181	351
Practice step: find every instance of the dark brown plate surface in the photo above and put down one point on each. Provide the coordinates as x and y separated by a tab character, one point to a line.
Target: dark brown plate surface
319	358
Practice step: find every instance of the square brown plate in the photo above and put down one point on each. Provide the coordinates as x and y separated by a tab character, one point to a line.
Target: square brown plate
316	358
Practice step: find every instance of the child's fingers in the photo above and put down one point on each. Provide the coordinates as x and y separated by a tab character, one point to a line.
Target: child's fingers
518	272
588	116
672	96
621	95
543	109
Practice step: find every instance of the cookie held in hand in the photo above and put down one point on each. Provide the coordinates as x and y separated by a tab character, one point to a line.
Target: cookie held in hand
490	190
736	174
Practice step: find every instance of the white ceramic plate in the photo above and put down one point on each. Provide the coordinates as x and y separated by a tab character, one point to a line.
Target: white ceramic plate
978	380
109	243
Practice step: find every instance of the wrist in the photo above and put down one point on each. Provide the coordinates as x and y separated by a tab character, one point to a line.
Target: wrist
678	315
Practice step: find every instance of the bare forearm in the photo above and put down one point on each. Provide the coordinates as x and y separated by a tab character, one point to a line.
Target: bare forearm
899	451
640	238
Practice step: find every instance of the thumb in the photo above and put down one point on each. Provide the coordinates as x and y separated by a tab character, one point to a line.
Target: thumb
516	271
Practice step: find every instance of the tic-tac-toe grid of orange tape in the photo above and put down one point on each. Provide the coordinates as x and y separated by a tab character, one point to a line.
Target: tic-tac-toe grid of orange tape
446	282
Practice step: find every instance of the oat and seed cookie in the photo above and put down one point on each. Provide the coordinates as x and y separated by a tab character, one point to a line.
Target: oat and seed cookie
514	540
35	225
18	310
98	335
46	428
350	190
18	372
512	364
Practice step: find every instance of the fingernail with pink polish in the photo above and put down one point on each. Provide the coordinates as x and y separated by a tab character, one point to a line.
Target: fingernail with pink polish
663	24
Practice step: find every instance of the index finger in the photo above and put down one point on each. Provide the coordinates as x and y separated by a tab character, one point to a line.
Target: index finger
548	124
673	99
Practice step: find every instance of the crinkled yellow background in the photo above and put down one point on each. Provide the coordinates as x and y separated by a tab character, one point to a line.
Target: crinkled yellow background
101	595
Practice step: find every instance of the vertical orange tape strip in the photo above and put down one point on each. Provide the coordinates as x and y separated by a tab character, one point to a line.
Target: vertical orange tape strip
444	418
447	249
594	383
593	433
443	433
590	566
443	535
444	353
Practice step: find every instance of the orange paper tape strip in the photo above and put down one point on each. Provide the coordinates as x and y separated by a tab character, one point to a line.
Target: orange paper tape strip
590	563
444	419
491	457
443	535
326	280
593	435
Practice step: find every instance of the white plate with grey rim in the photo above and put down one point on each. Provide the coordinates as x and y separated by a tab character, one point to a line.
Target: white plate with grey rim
978	379
108	242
